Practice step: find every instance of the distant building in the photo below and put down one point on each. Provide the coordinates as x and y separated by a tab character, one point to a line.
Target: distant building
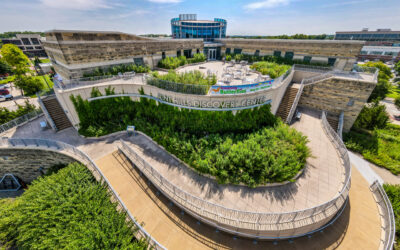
30	44
187	26
381	53
385	37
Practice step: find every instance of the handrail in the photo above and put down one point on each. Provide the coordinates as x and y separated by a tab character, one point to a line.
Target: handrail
340	146
46	113
234	218
82	157
387	216
19	120
303	83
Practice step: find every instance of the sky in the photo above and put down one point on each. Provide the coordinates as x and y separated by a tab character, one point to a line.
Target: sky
245	17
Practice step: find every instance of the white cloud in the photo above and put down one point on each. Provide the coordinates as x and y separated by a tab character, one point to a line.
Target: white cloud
76	4
267	4
165	1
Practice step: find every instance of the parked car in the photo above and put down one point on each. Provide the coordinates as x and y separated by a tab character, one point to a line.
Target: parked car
6	97
4	92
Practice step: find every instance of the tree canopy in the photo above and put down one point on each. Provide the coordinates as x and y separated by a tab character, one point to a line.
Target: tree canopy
15	58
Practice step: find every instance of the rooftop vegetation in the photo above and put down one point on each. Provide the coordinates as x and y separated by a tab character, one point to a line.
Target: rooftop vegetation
250	147
6	115
66	210
272	69
376	139
118	69
193	82
175	62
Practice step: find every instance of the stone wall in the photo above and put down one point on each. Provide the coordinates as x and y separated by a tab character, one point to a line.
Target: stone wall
335	95
25	163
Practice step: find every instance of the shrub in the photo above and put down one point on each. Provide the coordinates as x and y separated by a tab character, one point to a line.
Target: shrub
198	57
67	210
274	70
228	58
172	62
372	116
192	77
118	69
250	147
7	115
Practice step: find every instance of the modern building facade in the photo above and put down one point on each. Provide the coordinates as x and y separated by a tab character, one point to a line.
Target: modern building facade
74	53
30	44
381	53
187	26
385	37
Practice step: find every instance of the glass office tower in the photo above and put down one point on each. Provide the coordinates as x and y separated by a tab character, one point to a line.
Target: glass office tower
187	26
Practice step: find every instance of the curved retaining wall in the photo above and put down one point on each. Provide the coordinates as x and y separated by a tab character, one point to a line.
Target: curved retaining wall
133	86
250	224
70	152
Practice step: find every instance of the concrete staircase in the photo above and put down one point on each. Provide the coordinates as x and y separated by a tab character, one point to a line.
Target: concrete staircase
333	121
56	113
287	101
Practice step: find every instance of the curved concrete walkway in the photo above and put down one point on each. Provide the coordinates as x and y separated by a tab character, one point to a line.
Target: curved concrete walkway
357	228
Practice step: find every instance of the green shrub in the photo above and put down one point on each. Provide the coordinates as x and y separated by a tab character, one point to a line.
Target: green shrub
393	192
372	116
251	146
118	69
7	115
228	58
172	62
274	70
275	59
197	58
192	77
380	146
397	102
66	210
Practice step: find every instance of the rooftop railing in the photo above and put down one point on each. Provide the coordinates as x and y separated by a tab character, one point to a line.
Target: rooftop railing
20	120
239	222
82	157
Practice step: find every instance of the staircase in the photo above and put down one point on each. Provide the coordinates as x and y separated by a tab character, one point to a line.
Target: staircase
333	121
287	101
56	112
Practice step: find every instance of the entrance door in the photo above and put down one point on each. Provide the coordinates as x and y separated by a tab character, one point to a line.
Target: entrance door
212	54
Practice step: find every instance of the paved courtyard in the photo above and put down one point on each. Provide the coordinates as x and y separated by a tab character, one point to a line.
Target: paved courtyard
218	67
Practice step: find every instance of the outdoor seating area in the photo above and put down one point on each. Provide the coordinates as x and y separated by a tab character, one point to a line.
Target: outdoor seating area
228	73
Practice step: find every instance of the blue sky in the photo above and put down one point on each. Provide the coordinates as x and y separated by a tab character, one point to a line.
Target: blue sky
246	17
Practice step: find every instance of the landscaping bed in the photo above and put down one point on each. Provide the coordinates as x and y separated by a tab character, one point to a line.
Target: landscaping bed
251	147
68	209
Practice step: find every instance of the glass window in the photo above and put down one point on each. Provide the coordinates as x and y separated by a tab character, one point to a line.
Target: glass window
331	61
289	55
277	53
227	50
163	55
307	59
237	51
138	61
257	53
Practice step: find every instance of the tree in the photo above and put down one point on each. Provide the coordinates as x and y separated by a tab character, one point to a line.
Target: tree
385	72
372	116
397	67
29	85
15	58
4	67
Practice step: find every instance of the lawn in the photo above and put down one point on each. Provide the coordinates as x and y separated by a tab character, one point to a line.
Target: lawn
250	147
68	209
381	146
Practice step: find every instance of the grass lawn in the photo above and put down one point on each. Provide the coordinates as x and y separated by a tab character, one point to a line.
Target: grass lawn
393	192
45	60
381	146
394	92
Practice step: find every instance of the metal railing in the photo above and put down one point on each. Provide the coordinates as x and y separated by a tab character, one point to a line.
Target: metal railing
20	120
303	83
236	220
387	215
311	68
341	148
87	81
84	159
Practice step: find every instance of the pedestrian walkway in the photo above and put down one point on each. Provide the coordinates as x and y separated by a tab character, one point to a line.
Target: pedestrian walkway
363	166
357	228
